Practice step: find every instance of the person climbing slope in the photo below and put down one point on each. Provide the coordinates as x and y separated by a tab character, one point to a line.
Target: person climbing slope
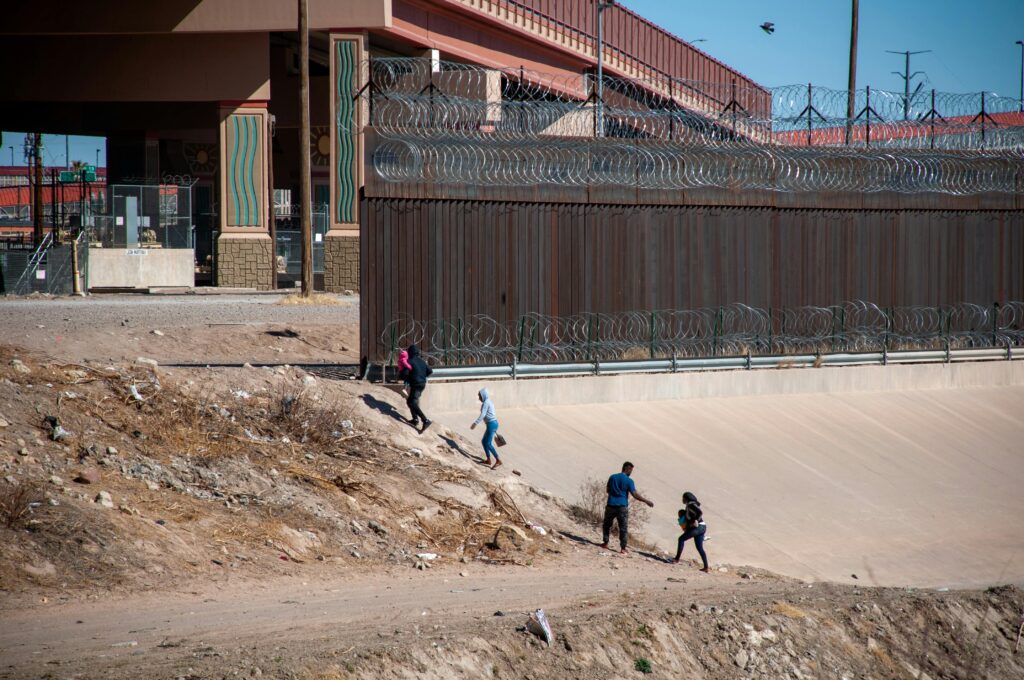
490	421
691	521
416	376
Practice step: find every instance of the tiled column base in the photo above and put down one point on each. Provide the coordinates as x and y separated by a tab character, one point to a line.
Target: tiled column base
341	262
245	261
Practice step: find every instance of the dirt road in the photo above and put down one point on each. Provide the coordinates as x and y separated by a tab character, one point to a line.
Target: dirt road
254	623
183	328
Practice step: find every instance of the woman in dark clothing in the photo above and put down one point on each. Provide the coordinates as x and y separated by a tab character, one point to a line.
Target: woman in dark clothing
416	377
691	521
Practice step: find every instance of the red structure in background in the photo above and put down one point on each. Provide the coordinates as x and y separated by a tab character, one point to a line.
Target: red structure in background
16	192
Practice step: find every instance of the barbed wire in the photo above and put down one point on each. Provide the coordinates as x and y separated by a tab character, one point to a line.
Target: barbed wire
467	124
735	329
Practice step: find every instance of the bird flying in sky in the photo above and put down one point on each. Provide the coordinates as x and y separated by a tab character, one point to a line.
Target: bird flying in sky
768	27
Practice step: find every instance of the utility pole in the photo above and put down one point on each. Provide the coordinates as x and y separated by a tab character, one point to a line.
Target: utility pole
37	196
599	102
305	198
851	89
907	77
272	220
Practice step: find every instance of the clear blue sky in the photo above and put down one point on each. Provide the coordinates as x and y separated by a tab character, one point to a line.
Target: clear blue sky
972	40
973	43
81	149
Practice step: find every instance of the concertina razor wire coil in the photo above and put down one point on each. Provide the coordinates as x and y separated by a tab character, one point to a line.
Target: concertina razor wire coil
730	330
463	124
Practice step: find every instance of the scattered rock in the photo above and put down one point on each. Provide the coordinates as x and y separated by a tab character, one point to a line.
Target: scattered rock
4	422
246	365
742	658
156	332
356	527
56	481
22	451
517	473
308	380
111	451
723	570
152	486
377	528
416	452
104	499
349	292
346	424
463	574
19	366
88	476
508	536
152	363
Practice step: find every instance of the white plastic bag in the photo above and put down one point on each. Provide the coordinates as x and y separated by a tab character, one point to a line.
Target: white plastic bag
539	626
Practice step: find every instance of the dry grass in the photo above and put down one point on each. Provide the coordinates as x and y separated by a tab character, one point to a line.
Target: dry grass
313	299
635	353
788	610
16	504
593	497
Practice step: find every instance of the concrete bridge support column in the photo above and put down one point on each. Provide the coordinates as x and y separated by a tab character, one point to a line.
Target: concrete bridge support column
349	115
245	253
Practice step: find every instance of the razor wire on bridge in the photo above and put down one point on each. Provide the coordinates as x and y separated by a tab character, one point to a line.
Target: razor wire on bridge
464	124
731	330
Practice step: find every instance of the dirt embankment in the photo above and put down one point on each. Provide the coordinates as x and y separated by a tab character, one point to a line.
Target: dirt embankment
126	487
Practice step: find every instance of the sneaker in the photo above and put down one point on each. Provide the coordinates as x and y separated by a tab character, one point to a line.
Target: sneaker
497	463
623	552
426	424
415	424
706	570
603	546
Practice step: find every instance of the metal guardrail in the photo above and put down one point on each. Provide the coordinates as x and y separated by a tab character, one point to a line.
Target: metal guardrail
517	370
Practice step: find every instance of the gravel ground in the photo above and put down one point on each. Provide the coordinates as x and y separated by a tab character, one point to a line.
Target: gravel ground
182	327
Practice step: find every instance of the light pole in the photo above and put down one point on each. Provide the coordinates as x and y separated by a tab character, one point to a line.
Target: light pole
599	104
12	155
97	158
1021	43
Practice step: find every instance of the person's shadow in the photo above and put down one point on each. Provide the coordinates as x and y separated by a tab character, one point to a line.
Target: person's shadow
455	446
384	407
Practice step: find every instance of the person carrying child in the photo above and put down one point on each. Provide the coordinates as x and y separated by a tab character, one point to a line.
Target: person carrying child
691	521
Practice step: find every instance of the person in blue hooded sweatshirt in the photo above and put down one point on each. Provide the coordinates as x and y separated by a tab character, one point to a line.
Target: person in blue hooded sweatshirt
490	421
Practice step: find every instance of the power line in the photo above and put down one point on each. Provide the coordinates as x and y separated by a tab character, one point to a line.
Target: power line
907	77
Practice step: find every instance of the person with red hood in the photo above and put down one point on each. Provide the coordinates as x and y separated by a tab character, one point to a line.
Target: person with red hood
416	376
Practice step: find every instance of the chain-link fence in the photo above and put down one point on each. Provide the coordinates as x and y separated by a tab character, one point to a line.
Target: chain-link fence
289	242
47	269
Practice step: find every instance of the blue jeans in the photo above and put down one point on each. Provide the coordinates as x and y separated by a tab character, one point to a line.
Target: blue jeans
488	441
697	534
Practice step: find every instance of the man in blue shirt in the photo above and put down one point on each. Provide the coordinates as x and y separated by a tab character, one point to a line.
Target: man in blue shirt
620	487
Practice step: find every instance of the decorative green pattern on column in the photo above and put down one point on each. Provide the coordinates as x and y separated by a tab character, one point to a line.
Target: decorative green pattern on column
245	169
345	66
